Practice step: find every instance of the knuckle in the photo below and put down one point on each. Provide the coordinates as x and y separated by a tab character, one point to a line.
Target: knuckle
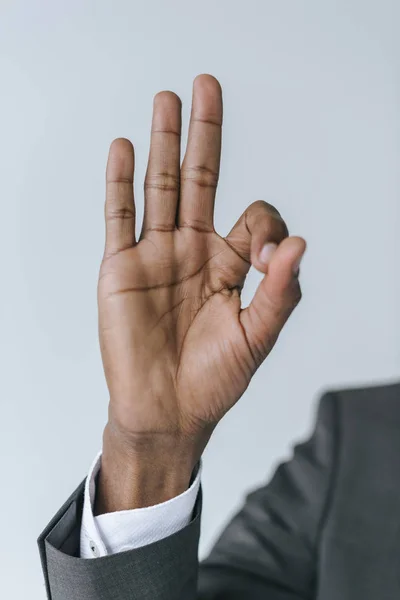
201	176
121	213
262	216
163	181
199	225
297	295
118	184
258	205
266	207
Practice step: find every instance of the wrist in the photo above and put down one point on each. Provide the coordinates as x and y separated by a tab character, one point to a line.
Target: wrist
142	470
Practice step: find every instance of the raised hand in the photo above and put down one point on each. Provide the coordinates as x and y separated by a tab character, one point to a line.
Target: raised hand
178	350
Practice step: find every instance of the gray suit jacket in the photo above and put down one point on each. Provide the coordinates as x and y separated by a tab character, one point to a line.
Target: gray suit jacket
326	527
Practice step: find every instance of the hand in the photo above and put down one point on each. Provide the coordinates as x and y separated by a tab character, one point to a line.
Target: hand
178	350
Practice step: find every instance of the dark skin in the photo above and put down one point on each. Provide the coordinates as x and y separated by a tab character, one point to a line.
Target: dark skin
177	348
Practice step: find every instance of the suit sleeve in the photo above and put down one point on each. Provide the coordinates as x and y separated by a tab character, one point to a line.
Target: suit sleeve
267	552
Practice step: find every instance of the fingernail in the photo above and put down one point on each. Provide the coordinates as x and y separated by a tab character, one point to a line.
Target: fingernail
266	252
296	266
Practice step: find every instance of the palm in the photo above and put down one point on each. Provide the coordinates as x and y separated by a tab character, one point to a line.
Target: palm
189	307
177	348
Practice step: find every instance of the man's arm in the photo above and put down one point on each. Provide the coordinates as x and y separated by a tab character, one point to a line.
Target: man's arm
178	349
267	552
114	532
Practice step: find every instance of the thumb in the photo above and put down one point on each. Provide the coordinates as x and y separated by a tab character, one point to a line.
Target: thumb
277	295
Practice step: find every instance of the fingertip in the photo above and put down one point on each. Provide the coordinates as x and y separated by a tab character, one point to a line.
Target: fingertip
121	144
207	99
166	98
208	81
301	243
292	248
302	246
264	257
121	160
285	262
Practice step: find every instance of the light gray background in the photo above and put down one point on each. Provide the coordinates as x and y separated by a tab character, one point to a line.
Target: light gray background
311	124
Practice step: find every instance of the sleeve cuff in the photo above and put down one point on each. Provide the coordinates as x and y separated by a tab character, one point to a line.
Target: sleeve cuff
128	529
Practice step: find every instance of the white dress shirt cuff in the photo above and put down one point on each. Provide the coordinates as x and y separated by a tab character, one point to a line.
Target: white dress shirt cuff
128	529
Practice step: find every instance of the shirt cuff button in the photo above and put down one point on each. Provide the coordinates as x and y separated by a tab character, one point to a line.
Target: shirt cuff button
94	548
